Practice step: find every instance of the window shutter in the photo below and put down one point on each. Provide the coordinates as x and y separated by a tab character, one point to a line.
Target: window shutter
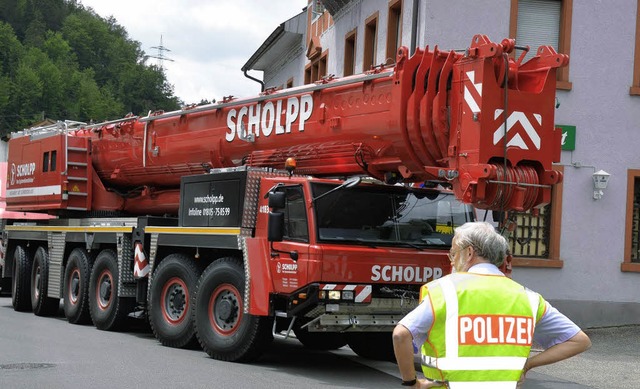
538	24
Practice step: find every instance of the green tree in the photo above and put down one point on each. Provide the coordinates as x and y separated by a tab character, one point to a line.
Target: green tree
59	51
10	50
61	60
25	95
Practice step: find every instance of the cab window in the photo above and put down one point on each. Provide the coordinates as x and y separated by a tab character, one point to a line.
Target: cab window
295	215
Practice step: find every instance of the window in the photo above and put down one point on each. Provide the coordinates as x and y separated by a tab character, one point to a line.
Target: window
350	53
54	154
631	260
295	215
370	42
317	9
45	162
536	240
388	216
543	22
49	165
290	83
394	30
635	87
316	70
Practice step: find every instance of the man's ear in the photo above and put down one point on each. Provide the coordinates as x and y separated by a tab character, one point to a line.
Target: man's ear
471	251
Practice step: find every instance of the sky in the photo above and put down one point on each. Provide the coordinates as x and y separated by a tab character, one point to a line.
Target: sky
210	40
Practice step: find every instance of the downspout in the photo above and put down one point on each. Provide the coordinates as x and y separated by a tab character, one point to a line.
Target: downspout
255	79
414	26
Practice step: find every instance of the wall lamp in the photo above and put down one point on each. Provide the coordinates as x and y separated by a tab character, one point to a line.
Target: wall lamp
600	181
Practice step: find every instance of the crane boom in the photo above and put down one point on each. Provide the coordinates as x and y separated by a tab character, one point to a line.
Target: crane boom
478	119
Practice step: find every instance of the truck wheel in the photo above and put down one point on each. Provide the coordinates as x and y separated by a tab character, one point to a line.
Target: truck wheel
108	310
75	290
5	285
170	305
224	331
318	340
372	345
40	303
20	289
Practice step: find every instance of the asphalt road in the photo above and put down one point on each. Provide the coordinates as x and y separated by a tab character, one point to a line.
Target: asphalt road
38	352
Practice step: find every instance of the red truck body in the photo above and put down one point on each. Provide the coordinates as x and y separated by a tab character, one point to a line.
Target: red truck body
188	217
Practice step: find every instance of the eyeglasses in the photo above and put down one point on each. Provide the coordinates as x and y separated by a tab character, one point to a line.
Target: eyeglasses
452	254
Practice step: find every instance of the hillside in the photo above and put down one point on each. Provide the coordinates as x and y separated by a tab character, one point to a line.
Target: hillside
60	60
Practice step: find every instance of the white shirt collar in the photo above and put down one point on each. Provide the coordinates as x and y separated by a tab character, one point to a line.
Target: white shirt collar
485	268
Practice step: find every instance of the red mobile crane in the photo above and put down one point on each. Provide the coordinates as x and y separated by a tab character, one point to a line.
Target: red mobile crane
186	214
7	216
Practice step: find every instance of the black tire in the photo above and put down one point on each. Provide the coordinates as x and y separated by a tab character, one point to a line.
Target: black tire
5	286
21	280
75	290
318	340
224	331
40	303
170	301
108	310
372	345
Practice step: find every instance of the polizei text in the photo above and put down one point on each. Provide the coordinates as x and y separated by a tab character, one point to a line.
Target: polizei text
262	119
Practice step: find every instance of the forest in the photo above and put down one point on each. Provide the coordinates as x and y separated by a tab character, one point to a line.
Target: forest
60	60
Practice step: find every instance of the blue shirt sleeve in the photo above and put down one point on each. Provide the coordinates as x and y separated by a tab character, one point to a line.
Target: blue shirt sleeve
554	328
418	322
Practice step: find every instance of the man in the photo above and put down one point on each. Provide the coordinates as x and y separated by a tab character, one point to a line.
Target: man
476	326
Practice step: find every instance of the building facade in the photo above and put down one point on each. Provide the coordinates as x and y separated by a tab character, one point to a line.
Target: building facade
583	253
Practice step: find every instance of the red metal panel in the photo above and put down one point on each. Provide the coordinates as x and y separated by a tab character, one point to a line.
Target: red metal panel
260	280
435	115
29	186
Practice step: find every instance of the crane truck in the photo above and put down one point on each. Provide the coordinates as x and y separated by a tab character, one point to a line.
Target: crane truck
317	210
8	216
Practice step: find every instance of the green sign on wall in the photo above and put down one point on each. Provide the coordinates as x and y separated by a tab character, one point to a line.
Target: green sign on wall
568	137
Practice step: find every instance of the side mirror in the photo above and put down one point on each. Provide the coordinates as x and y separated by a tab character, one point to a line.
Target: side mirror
275	229
277	200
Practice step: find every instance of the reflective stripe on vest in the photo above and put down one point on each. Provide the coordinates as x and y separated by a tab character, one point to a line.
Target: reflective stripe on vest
483	385
507	334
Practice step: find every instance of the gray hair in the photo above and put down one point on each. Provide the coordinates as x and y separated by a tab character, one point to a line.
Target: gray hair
484	239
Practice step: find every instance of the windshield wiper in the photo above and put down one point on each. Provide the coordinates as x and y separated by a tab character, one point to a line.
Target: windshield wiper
408	244
362	241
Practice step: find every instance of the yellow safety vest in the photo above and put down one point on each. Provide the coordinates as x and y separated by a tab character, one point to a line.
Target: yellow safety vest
482	330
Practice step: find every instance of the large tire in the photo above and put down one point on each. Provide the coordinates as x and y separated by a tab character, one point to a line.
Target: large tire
75	290
318	340
108	310
170	301
5	286
372	345
5	282
21	276
40	303
224	331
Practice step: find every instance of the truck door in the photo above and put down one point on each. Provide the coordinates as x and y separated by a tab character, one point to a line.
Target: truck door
290	274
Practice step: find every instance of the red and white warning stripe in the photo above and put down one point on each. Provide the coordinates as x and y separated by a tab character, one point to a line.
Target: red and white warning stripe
530	129
362	292
473	96
141	265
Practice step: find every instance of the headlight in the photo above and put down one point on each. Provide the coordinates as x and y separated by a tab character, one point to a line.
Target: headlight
347	294
334	295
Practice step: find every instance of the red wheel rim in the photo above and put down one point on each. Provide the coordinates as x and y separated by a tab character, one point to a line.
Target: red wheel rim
175	301
225	309
74	286
104	290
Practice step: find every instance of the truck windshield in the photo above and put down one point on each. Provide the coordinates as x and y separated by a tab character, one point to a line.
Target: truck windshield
388	216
